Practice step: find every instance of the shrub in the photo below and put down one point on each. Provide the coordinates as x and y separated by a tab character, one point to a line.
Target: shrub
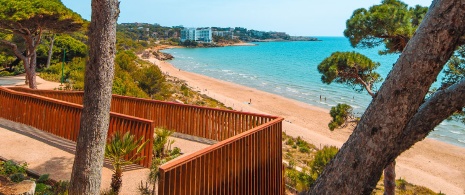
8	168
60	188
304	149
290	141
17	177
301	143
322	157
340	114
401	184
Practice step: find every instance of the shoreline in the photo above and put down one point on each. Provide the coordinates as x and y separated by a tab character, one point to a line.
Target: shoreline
431	163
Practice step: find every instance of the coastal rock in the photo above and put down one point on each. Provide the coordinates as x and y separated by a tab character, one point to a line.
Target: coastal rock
162	56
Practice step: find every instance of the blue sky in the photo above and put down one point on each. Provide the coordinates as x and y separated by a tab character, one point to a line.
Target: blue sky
296	17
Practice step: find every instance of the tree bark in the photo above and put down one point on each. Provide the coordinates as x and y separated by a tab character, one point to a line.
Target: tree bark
29	60
386	130
390	179
50	50
88	162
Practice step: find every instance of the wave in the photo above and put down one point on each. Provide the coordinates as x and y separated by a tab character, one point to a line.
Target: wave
456	132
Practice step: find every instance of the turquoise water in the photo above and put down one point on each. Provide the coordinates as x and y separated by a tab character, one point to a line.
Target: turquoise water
289	69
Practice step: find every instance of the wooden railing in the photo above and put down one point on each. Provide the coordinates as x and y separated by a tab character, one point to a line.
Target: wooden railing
63	118
67	96
210	123
248	163
247	160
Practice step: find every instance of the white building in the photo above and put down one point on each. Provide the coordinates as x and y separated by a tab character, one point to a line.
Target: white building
197	34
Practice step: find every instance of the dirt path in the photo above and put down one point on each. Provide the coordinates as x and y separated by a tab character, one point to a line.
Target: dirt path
19	81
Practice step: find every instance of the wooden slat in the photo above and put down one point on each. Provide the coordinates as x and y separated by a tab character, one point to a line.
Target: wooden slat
247	160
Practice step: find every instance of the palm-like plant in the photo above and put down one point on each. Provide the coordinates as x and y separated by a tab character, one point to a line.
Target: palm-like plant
119	147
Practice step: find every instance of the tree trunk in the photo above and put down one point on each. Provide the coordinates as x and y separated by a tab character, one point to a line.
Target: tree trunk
88	162
29	62
50	50
390	179
386	130
117	181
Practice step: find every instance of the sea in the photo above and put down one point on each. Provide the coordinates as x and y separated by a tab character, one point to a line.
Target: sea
289	69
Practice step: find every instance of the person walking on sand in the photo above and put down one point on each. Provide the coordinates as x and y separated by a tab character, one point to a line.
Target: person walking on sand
250	101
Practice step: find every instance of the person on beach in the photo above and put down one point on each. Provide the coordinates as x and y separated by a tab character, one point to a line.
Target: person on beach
250	101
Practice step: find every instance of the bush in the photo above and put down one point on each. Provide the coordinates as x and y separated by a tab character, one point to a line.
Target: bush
17	177
301	143
340	114
60	188
322	157
8	168
290	142
304	149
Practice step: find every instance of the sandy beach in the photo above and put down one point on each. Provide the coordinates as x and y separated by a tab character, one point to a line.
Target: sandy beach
436	165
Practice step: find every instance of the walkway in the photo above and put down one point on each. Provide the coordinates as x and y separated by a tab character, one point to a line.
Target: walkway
48	154
19	81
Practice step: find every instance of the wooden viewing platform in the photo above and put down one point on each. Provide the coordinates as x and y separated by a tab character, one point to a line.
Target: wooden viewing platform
246	160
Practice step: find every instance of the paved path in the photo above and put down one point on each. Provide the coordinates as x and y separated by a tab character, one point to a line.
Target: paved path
19	81
48	154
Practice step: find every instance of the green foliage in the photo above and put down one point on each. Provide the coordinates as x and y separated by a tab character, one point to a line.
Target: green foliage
189	43
349	68
127	41
340	114
152	81
162	143
33	14
43	178
453	73
126	60
300	180
162	153
17	177
117	148
322	157
304	149
73	73
392	23
74	49
125	84
42	188
6	73
455	69
123	145
6	59
60	188
290	141
301	143
8	168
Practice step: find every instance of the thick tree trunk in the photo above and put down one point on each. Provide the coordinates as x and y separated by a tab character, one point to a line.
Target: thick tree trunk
50	50
88	162
390	179
30	68
387	126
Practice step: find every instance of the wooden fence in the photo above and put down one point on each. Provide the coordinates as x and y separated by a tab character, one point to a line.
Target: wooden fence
63	118
249	163
247	160
210	123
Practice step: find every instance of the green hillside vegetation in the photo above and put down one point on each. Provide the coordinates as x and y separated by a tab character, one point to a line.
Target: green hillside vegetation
133	76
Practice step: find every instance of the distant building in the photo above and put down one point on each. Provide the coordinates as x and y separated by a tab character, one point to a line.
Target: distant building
197	34
223	32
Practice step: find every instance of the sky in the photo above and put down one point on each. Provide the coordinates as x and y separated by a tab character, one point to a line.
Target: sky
295	17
